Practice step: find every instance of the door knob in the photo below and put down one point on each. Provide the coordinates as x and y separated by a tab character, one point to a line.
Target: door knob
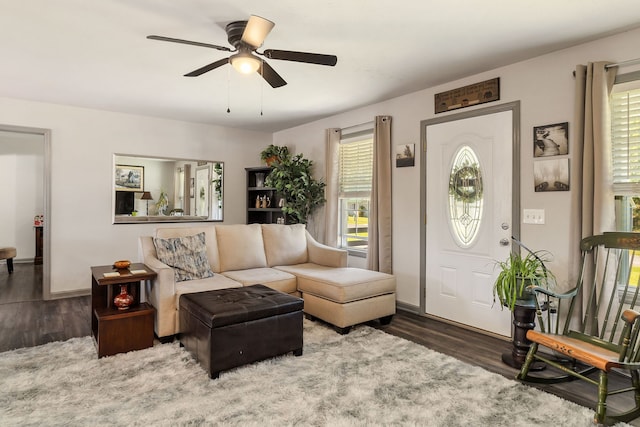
504	242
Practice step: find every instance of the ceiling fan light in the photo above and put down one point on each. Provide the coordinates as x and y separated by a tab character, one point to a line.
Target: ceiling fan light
245	63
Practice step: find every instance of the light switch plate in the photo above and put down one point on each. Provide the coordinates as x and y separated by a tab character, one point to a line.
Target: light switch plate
533	216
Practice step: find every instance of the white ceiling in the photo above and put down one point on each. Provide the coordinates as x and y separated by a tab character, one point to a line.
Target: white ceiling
94	53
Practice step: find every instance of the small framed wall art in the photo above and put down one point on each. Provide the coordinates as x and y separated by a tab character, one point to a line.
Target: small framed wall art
551	175
405	155
551	140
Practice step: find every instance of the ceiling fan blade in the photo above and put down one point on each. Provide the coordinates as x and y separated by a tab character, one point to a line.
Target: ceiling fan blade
256	31
310	58
270	75
207	68
169	39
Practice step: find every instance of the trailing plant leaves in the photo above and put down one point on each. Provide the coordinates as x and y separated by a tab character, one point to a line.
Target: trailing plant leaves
517	273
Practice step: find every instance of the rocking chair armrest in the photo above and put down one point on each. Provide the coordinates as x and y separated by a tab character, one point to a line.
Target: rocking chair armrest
630	316
572	293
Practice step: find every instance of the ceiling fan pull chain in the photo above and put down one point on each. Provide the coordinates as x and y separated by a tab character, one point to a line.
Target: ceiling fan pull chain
261	90
228	90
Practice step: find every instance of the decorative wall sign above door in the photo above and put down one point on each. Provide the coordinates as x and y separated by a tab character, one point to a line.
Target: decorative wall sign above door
467	96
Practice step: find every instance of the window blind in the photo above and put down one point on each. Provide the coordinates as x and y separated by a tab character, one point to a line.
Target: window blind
625	141
356	168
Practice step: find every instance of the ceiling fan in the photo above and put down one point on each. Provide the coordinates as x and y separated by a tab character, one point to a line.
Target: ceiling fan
246	37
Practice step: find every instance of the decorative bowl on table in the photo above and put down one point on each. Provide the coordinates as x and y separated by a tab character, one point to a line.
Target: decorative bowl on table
122	264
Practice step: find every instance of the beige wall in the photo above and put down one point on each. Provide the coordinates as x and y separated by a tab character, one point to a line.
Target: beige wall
83	142
544	85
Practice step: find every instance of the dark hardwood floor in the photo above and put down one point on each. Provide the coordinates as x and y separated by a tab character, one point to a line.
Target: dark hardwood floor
485	351
26	321
25	284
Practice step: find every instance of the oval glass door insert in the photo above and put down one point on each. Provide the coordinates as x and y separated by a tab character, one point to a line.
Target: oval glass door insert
465	196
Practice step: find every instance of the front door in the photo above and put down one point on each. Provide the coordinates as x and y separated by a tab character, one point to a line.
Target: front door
469	170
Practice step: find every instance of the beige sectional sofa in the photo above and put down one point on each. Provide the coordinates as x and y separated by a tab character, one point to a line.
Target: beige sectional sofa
283	257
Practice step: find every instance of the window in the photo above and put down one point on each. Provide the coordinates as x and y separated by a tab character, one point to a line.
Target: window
625	155
625	141
354	193
465	197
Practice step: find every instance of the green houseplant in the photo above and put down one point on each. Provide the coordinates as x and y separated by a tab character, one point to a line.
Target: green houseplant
217	182
518	273
273	153
292	178
163	203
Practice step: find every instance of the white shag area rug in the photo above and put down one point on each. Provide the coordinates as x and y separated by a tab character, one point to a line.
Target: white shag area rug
365	378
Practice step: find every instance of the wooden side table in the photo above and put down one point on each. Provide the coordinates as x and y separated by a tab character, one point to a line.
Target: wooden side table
114	330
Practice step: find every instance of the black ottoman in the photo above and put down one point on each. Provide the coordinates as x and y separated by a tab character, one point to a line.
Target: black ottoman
227	328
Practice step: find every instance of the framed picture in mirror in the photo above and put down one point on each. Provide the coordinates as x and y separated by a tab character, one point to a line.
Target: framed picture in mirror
129	178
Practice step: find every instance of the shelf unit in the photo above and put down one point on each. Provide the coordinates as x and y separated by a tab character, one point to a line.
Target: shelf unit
260	215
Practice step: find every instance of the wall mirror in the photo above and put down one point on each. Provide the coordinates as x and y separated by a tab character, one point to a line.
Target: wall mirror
161	189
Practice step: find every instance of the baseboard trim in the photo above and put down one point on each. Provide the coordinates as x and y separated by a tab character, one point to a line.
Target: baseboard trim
416	311
408	307
69	294
19	261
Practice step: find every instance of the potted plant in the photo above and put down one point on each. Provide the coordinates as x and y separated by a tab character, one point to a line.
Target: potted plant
217	183
518	274
292	178
163	202
274	153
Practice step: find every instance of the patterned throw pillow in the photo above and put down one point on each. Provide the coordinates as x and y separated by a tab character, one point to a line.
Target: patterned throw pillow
186	255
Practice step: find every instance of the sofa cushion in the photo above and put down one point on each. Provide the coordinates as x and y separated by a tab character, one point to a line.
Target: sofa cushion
209	240
243	247
285	244
275	279
341	285
186	255
209	284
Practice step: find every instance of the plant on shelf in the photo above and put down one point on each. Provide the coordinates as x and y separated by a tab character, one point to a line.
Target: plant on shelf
513	287
518	273
291	177
273	153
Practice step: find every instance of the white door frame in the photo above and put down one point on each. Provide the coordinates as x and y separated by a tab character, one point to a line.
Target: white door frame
514	107
46	229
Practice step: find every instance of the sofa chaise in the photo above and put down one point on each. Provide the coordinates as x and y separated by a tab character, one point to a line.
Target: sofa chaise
282	257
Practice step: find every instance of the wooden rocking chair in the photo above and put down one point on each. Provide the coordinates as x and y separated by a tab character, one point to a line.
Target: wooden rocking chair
591	337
